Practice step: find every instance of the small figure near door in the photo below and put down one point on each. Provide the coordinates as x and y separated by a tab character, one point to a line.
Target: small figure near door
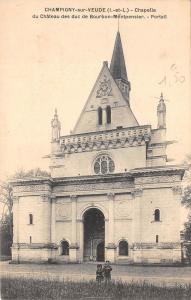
99	273
107	271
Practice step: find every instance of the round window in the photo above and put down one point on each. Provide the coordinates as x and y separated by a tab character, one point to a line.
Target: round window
104	165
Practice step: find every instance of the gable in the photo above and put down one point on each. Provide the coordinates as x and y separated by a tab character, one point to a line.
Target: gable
105	93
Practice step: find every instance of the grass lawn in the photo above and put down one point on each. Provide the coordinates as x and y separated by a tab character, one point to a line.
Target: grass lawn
23	288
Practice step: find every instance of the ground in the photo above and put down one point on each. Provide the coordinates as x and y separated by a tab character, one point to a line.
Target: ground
158	275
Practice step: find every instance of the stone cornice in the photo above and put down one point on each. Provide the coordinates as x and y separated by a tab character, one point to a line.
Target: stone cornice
45	184
34	246
165	245
31	180
165	143
137	192
164	170
93	179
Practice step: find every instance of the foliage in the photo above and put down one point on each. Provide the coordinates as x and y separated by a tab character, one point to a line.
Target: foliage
30	173
6	234
23	288
6	199
6	229
186	202
187	229
186	198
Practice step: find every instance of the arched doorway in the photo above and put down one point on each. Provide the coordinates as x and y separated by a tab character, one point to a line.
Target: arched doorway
94	235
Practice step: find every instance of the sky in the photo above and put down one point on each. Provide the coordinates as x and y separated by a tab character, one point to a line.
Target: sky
53	63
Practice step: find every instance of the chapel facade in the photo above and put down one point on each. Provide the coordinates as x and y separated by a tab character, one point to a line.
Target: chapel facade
111	195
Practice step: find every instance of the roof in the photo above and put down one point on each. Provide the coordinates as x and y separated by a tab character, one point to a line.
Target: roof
117	66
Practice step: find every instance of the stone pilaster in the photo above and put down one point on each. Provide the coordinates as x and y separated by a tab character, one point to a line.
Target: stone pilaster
110	253
73	245
176	194
46	221
53	219
16	220
15	245
137	194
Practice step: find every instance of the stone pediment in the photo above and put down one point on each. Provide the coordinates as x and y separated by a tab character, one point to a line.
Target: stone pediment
105	92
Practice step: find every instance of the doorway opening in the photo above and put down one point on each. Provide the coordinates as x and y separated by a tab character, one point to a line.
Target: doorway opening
94	235
101	251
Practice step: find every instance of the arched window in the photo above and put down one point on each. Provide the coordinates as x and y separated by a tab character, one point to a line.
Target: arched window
64	248
104	165
123	248
108	114
100	116
157	238
157	215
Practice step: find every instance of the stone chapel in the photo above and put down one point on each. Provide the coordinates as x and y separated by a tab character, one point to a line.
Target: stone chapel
111	195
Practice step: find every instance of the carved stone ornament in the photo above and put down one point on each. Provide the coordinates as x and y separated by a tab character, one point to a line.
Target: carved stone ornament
32	188
15	199
74	246
111	246
137	192
122	210
111	196
177	189
63	210
105	88
157	179
116	139
46	197
164	245
73	197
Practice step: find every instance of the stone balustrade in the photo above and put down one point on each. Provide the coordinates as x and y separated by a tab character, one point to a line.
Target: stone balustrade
120	137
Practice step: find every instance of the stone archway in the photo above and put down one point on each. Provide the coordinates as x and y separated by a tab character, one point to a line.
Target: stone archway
94	235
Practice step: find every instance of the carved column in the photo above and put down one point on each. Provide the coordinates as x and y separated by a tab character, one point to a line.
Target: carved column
111	245
73	245
104	116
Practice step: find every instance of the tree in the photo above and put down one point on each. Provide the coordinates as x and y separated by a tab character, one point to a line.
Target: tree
6	200
186	201
186	197
31	173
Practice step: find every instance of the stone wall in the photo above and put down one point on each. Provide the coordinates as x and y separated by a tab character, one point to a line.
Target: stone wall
82	164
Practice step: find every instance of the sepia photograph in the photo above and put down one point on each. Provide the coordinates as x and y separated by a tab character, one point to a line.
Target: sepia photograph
95	143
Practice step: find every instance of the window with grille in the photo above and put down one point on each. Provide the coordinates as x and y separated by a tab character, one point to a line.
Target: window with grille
64	248
108	114
104	165
30	219
100	116
123	248
157	238
157	215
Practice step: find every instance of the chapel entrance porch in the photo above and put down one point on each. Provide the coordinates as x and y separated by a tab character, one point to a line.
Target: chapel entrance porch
94	235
